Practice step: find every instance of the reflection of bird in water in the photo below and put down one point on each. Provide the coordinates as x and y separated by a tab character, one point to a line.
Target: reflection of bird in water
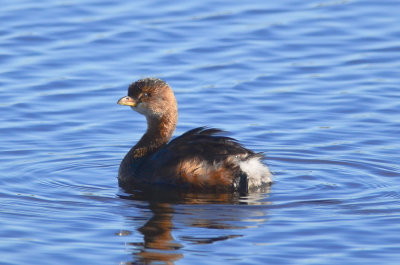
220	214
159	245
198	160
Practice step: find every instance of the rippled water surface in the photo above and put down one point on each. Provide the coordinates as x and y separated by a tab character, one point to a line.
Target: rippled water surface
313	84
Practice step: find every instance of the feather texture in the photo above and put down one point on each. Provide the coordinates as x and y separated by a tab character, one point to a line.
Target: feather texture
202	159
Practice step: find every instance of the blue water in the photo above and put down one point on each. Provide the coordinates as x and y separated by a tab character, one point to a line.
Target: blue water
313	84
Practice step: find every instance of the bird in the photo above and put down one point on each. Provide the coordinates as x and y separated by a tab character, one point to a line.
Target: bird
200	160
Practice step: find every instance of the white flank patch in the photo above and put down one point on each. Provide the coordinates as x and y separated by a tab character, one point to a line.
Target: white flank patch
258	174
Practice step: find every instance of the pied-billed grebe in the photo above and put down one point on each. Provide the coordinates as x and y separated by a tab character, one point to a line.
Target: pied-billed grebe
199	160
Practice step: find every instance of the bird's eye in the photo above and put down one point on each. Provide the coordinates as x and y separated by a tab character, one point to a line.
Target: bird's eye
146	95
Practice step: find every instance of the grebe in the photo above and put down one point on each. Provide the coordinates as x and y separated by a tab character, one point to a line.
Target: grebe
199	160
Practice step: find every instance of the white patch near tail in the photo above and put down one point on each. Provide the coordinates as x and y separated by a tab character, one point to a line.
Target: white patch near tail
257	173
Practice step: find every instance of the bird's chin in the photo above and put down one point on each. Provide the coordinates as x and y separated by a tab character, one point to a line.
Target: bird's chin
141	109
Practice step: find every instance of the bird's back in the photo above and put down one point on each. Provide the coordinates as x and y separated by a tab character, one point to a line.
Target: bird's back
203	159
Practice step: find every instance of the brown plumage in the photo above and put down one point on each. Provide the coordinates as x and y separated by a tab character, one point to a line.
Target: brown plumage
199	160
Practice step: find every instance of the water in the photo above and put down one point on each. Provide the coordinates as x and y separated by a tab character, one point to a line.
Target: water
313	84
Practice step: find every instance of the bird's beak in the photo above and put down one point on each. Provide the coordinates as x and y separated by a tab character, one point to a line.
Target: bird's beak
127	101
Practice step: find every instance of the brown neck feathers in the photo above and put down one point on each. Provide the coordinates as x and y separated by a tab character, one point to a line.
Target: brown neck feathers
159	131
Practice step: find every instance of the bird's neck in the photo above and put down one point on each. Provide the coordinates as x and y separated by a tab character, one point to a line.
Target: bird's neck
159	131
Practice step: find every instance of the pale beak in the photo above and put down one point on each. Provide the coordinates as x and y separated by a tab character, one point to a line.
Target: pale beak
127	101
